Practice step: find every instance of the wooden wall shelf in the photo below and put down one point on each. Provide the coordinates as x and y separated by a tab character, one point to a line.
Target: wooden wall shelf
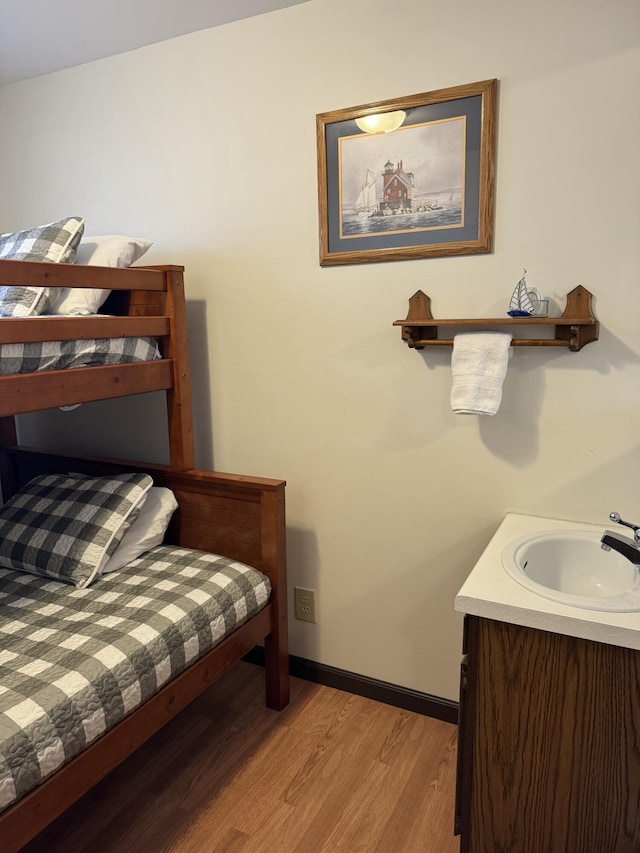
576	328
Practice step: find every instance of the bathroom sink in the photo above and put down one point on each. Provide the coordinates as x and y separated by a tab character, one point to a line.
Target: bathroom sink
570	567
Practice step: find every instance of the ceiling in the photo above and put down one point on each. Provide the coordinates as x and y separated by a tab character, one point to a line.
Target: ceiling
40	36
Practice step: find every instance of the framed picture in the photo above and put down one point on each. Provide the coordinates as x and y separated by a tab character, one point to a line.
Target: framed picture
408	178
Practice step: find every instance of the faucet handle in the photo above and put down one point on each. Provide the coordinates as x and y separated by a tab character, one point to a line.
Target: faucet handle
615	516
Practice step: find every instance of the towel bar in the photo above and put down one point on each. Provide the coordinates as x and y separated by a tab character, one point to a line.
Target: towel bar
576	328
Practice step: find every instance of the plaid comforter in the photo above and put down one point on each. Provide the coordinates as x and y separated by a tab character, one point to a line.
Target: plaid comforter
56	355
74	662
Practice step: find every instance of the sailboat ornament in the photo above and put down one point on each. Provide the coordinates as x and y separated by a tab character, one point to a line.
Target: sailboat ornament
521	304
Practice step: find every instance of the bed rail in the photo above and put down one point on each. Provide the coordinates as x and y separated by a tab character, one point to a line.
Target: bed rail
37	274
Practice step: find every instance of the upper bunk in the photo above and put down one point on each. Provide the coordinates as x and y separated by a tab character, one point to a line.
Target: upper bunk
144	302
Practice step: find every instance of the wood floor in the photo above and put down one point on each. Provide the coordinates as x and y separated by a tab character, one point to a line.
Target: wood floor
333	772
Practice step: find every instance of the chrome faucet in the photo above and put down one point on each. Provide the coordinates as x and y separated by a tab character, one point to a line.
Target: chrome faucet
629	548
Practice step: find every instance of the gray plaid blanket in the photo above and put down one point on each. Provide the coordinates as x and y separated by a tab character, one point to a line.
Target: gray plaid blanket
56	355
74	662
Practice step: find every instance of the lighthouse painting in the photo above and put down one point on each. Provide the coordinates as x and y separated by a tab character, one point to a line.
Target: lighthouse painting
409	177
408	180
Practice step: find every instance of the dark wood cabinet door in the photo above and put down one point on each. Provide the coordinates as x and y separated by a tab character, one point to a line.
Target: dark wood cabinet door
555	748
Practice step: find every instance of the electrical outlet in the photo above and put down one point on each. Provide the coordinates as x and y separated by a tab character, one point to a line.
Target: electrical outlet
305	600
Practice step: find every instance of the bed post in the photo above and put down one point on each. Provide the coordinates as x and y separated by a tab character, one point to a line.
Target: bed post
8	438
8	435
276	644
176	348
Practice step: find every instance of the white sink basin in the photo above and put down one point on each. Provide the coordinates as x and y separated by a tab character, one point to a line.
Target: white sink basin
570	567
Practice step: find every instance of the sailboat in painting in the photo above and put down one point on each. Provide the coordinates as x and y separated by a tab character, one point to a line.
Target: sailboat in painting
367	202
520	304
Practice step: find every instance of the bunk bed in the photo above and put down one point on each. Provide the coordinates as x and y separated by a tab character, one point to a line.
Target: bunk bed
240	518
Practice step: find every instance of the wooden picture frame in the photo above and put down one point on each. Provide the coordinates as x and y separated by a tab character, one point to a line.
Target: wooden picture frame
424	190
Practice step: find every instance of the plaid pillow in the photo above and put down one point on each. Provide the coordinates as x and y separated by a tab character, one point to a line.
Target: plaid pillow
56	243
66	526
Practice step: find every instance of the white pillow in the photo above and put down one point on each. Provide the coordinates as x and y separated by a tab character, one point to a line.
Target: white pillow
110	250
147	530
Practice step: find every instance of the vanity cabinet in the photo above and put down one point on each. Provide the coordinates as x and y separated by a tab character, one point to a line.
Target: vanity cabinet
549	743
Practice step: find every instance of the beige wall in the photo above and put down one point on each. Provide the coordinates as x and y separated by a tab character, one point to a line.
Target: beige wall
297	370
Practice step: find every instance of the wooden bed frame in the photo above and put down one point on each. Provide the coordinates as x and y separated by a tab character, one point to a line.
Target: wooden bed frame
234	515
149	301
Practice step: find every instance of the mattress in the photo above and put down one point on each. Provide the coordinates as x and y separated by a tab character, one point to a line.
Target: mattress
73	662
57	355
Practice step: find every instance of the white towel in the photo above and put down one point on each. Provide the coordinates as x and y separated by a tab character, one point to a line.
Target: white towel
479	365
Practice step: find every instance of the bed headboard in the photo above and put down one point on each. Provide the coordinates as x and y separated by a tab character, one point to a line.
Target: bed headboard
237	516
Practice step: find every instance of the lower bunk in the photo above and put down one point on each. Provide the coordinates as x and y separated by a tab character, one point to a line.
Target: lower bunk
88	673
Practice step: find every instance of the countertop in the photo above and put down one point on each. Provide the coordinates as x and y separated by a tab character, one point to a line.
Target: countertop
490	592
